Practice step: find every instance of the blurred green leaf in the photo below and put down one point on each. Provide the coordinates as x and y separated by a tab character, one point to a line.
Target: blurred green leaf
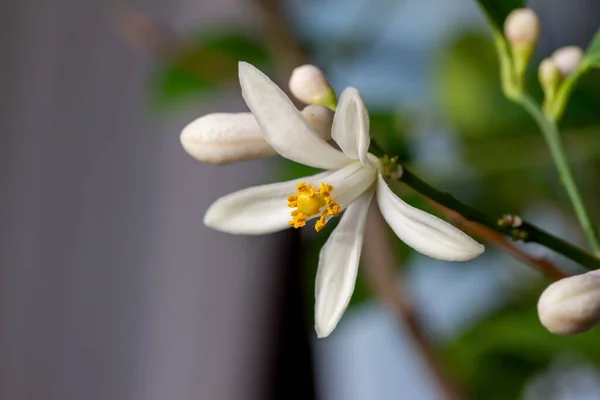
496	11
210	62
388	129
593	50
498	356
469	92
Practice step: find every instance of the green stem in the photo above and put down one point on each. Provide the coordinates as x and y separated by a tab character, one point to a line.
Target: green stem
524	231
552	136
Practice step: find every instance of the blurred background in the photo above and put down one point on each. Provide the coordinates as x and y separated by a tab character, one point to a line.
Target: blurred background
112	288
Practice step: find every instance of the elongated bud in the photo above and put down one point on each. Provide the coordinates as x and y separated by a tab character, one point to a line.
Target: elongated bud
550	77
571	305
568	59
309	85
225	138
522	30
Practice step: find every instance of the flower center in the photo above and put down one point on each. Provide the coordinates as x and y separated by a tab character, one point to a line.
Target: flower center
310	201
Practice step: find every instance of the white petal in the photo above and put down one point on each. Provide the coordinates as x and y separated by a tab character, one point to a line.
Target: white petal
282	125
256	210
351	126
338	266
424	232
350	182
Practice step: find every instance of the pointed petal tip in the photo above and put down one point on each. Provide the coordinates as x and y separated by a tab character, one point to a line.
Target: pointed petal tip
325	325
473	252
322	333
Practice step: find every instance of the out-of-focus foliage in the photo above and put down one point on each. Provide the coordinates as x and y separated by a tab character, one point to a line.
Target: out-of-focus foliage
497	356
207	63
593	50
469	90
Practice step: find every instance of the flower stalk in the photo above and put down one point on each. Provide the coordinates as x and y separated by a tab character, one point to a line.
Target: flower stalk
525	231
551	134
513	88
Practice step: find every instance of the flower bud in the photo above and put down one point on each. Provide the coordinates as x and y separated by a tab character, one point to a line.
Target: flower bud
224	138
522	27
320	118
571	305
309	85
522	30
568	59
550	77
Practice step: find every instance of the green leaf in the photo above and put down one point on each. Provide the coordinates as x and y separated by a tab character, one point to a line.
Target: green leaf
207	65
496	11
498	356
388	129
593	51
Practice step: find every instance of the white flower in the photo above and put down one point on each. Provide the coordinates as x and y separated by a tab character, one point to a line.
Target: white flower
351	179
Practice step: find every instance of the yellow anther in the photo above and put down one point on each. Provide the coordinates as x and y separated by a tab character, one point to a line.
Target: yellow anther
321	222
310	201
298	219
333	208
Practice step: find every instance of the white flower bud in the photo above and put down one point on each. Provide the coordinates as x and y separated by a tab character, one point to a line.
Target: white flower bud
224	138
309	85
522	30
571	305
568	59
522	27
320	118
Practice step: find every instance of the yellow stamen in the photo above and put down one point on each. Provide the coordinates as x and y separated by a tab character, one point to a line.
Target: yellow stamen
310	201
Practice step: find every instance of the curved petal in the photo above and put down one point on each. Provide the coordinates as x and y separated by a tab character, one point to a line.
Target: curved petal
282	125
256	210
424	232
338	266
351	126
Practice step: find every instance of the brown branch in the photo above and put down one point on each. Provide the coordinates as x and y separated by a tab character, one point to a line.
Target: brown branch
496	239
381	272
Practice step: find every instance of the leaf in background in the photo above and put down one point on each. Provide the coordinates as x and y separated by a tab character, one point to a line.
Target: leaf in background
497	357
387	130
208	63
593	51
496	11
469	93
